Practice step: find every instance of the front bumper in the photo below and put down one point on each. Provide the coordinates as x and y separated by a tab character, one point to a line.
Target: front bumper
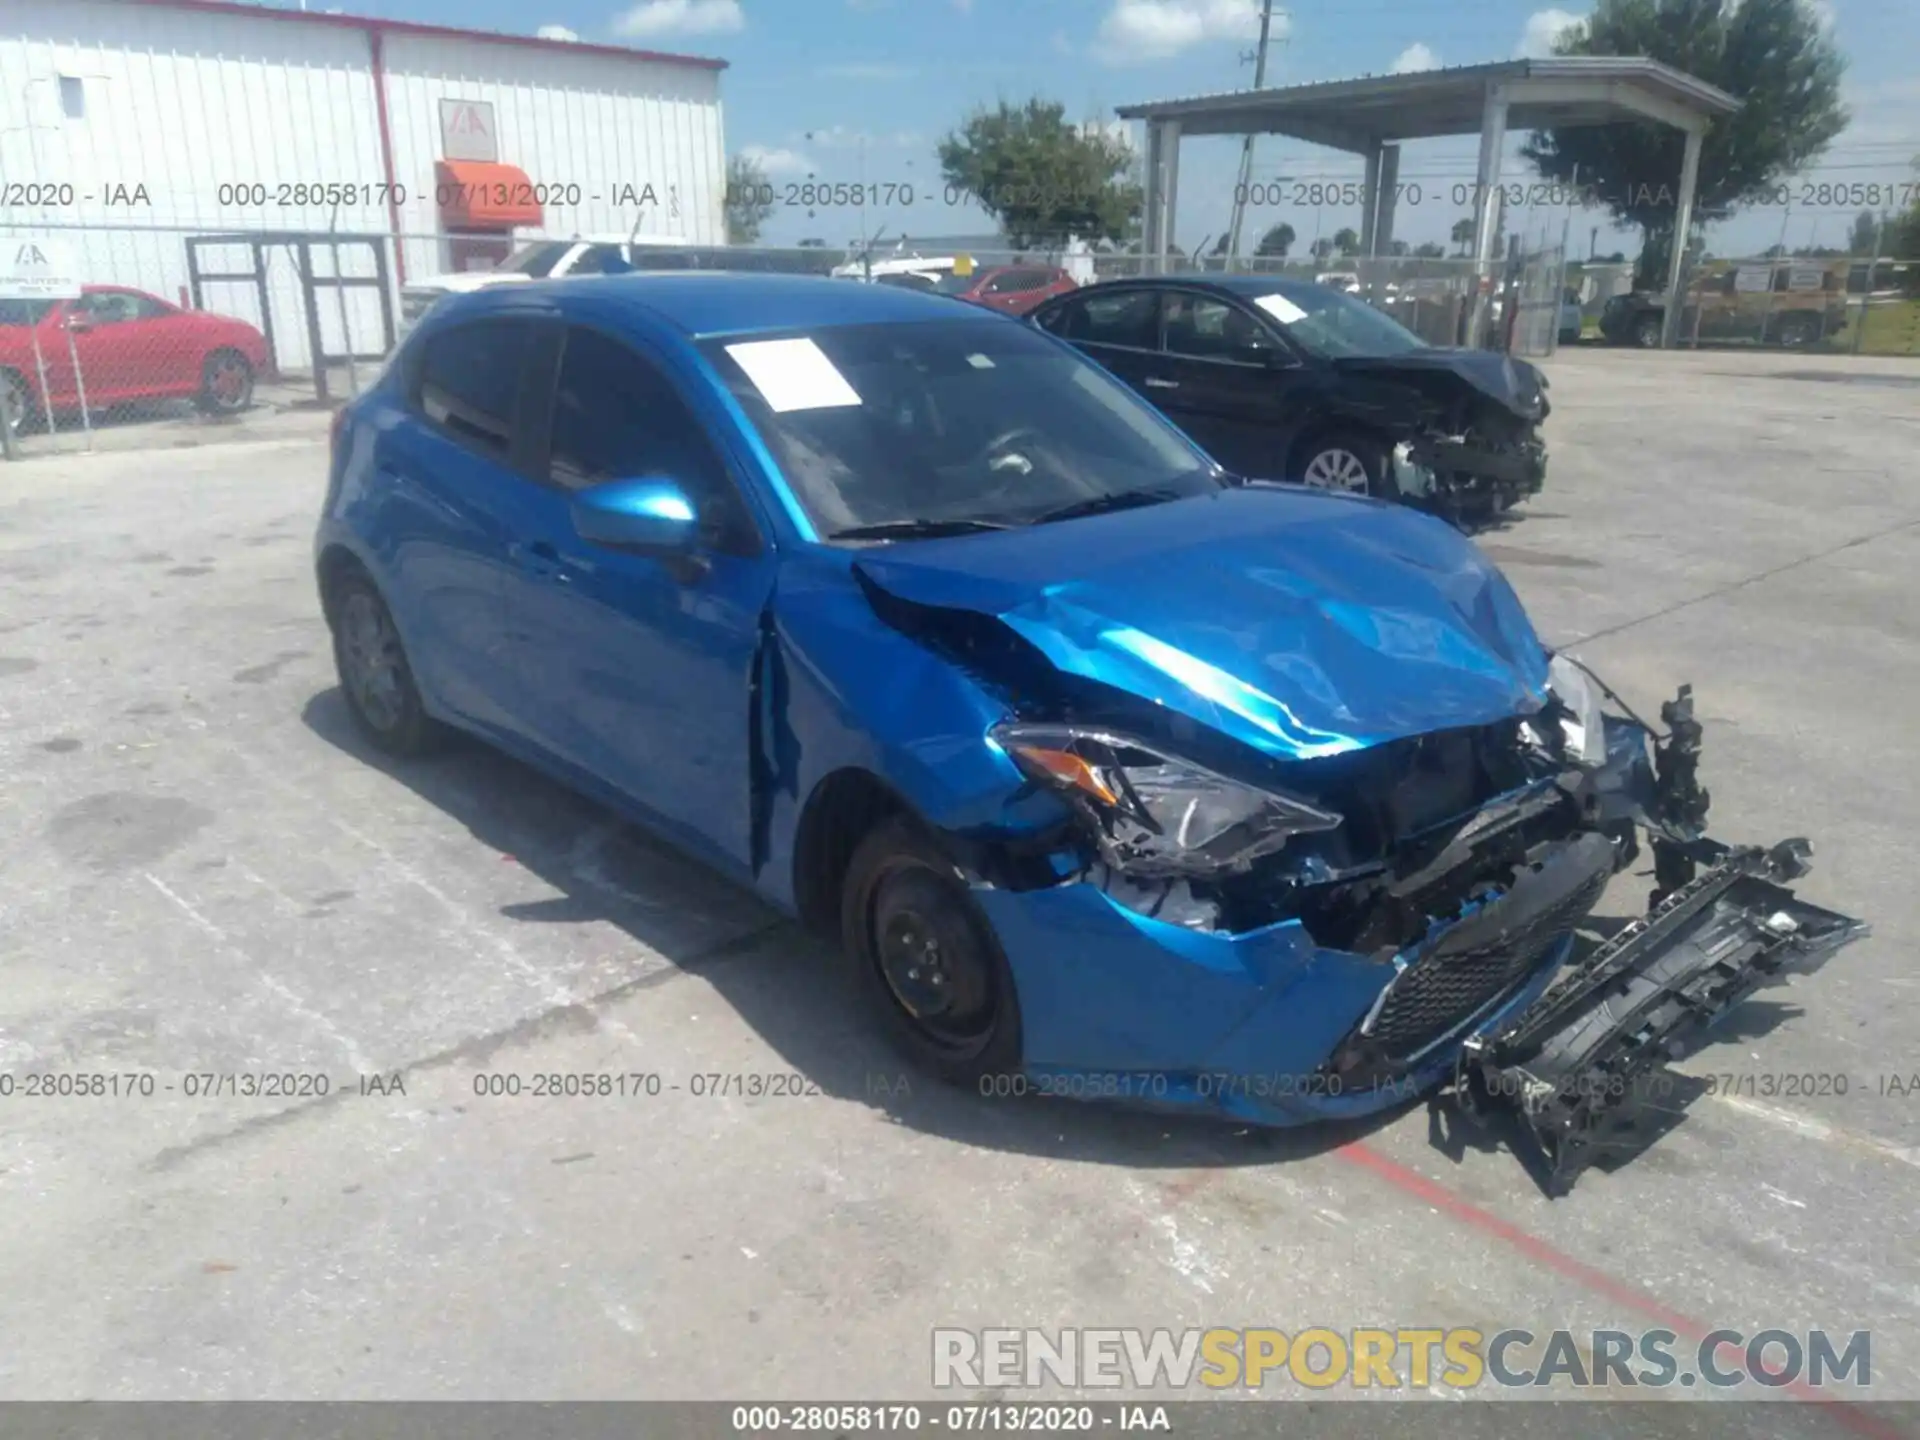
1455	472
1268	1027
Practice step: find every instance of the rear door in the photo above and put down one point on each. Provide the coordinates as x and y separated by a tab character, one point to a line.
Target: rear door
634	669
449	469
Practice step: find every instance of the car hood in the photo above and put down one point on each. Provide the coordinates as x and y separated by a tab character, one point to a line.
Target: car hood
1300	623
1514	384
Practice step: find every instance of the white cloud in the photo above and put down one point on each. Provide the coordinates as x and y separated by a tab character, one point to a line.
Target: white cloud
1135	31
680	17
555	32
839	137
867	70
1542	29
1415	57
774	160
1823	12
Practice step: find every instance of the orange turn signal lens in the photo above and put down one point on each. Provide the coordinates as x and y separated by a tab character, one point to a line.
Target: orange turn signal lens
1065	766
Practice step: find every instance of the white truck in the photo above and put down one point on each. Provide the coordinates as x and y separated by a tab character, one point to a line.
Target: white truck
535	260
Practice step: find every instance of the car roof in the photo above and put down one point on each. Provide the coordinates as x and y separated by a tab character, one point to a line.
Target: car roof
701	303
1246	287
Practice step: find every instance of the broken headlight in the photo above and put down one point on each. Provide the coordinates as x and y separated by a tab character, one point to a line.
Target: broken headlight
1153	813
1581	721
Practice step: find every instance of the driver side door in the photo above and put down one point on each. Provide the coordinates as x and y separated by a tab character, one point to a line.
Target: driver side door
636	670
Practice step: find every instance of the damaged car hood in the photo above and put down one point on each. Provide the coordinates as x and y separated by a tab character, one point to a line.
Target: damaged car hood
1514	384
1300	623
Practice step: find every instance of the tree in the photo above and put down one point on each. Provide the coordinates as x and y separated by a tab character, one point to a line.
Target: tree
1428	250
1042	177
1220	245
1463	234
1399	247
749	200
1902	238
1865	235
1346	240
1321	248
1276	242
1774	56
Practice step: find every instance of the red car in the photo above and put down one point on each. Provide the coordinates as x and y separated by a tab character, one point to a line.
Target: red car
1015	289
131	346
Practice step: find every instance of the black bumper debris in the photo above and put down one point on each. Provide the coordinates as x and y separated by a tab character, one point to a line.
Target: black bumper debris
1572	1071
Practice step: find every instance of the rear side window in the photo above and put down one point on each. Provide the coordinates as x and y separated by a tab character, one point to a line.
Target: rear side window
470	379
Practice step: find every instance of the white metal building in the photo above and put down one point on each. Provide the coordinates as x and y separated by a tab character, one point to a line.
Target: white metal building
127	126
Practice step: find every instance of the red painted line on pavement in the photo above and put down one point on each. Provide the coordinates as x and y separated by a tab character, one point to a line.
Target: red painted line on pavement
1550	1257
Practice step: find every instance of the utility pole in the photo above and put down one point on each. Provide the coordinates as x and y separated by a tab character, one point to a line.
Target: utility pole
1246	147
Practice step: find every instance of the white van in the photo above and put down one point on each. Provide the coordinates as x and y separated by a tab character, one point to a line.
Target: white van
534	260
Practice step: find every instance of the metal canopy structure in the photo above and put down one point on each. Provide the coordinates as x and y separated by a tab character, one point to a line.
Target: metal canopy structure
1372	116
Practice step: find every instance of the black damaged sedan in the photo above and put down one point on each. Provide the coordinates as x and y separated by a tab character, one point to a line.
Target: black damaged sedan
1288	380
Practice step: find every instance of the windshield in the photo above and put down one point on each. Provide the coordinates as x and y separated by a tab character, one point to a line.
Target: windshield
950	421
1330	324
536	260
955	284
23	312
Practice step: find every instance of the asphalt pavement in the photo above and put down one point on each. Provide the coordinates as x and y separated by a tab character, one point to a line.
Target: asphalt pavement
202	872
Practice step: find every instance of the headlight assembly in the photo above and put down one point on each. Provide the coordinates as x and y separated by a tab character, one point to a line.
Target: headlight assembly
1583	725
1154	813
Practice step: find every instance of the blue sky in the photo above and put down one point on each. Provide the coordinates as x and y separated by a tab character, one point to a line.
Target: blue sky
852	89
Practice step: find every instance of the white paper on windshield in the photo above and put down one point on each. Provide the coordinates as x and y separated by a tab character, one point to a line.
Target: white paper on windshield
980	362
1281	308
793	375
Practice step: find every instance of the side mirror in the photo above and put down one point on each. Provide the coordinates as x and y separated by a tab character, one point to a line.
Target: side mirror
78	326
651	514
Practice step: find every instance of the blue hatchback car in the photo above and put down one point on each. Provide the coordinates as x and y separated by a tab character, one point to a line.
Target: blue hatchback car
1113	774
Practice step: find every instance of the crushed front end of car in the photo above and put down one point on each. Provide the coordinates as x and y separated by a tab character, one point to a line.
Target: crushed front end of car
1474	443
1319	841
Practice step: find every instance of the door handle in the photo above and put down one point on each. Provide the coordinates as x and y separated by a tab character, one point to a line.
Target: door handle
1154	382
539	557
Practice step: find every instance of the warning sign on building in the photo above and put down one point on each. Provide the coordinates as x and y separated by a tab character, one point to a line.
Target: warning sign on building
467	131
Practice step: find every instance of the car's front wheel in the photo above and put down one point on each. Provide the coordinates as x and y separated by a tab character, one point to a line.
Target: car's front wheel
374	671
1647	331
18	401
1349	462
226	383
927	963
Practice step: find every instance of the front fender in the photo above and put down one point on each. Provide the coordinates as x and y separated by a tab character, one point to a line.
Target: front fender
847	691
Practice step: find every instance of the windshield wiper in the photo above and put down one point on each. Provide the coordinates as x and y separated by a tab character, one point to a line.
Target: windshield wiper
1104	504
923	528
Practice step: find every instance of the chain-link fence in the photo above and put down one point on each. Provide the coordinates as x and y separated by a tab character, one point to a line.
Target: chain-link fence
203	326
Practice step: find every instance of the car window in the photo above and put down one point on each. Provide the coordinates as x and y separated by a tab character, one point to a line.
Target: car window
1007	284
1130	318
110	307
617	417
1210	329
600	260
470	379
1330	323
24	312
535	260
950	419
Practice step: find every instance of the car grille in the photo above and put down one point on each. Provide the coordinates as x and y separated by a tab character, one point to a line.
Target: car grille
1446	985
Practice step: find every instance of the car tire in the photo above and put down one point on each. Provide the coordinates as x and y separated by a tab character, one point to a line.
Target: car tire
927	964
374	672
226	383
1348	462
1647	332
23	411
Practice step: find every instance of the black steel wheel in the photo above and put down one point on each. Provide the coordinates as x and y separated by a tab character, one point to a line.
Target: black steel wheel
374	672
1647	331
927	963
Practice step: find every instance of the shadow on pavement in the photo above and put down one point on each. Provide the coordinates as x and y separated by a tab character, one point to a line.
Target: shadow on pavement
788	985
